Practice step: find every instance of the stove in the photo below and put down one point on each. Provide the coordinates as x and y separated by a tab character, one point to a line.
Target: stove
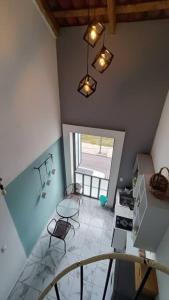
124	223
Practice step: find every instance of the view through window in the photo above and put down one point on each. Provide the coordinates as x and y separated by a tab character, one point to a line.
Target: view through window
93	163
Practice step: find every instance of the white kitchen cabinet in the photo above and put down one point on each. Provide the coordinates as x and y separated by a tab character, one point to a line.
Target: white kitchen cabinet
151	215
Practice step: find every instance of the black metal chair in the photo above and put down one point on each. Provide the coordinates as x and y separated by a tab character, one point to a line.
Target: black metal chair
74	191
60	231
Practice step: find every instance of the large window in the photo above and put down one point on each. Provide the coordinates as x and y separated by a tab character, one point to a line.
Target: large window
92	186
93	155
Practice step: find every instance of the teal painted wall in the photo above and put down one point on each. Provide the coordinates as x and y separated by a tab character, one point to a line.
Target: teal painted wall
29	211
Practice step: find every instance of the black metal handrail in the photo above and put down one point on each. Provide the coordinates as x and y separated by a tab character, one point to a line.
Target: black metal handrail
151	264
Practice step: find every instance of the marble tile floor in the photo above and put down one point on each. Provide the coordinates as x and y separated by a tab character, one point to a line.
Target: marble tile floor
92	238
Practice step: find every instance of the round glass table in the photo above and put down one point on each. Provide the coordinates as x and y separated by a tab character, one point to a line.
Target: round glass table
68	208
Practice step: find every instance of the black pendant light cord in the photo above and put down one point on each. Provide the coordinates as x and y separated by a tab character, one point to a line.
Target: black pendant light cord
104	33
88	17
87	58
94	15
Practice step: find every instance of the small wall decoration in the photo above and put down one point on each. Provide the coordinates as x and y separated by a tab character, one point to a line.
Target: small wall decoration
2	188
49	171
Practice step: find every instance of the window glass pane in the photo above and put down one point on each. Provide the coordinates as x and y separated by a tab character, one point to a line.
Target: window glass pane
94	193
104	184
78	178
95	182
87	180
86	190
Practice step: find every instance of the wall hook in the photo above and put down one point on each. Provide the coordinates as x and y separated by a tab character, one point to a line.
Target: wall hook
48	182
53	170
48	173
2	189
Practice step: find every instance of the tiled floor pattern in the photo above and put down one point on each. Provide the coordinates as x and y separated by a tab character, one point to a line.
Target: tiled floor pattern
92	238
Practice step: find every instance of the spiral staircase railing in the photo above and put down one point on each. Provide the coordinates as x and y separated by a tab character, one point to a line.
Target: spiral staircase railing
151	264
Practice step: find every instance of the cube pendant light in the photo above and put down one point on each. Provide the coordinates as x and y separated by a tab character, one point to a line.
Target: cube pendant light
93	33
87	85
102	60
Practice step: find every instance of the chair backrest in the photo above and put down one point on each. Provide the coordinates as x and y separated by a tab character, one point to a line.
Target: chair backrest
77	188
73	188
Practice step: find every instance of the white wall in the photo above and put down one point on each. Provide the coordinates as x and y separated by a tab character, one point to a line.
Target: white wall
13	259
160	154
29	94
160	149
29	111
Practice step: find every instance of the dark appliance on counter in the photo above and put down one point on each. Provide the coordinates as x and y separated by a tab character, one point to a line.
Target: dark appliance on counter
126	198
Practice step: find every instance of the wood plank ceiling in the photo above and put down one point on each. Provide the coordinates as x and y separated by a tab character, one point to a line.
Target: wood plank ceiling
61	13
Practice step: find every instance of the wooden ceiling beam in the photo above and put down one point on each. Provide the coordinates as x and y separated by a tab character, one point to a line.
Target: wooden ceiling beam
143	7
49	18
119	9
111	15
77	13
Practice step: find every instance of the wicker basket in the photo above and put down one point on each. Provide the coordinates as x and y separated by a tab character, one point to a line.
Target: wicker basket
160	195
159	185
